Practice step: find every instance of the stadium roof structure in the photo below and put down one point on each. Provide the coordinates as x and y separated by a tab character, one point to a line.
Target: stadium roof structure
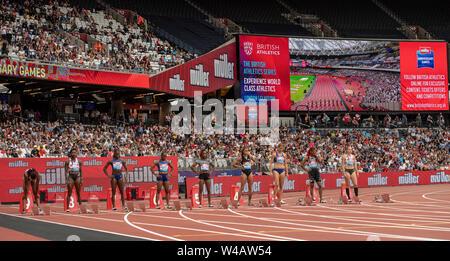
331	47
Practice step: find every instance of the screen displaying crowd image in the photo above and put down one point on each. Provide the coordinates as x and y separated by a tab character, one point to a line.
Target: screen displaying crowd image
344	75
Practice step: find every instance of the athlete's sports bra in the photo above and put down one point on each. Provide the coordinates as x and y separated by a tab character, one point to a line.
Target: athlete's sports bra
350	161
246	163
74	166
313	163
117	164
279	159
163	166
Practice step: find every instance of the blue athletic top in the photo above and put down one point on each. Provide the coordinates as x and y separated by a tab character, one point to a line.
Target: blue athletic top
163	167
117	164
279	159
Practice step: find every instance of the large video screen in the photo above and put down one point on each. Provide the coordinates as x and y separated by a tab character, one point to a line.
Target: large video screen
344	75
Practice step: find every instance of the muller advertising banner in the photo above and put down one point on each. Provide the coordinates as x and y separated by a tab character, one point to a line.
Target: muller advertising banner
53	176
209	72
221	186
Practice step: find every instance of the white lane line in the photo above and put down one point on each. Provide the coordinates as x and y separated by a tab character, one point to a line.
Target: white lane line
260	235
164	226
125	218
80	227
357	232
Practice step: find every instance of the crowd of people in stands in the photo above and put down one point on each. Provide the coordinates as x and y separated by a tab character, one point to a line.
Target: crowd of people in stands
39	29
377	149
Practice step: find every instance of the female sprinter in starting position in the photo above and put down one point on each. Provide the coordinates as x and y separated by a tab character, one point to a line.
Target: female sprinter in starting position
31	177
247	176
350	170
279	171
206	168
162	177
313	171
116	178
74	176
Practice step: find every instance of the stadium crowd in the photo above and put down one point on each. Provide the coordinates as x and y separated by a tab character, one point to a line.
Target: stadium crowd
39	30
377	149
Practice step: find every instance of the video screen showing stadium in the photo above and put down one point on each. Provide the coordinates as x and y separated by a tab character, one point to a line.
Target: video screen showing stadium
344	75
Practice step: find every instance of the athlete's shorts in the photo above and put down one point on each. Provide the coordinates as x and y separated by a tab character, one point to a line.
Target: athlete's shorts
314	175
74	176
163	178
279	170
204	176
118	177
350	171
247	172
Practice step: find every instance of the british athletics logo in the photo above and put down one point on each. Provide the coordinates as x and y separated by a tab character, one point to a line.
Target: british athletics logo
425	58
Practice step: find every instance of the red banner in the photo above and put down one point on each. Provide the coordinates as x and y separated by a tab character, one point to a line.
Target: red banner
207	73
66	74
53	177
221	186
424	76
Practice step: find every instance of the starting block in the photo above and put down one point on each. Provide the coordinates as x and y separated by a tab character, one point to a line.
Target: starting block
234	203
356	200
223	203
384	198
177	205
277	203
343	200
95	209
308	201
44	211
85	210
263	203
188	205
131	207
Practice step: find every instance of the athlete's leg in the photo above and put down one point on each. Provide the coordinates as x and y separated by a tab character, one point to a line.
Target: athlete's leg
250	187
201	183
243	182
167	190
281	184
347	183
208	189
77	184
158	191
113	191
276	179
121	186
354	179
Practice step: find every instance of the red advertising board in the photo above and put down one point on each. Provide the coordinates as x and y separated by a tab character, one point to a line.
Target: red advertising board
53	177
221	186
209	72
264	68
67	74
424	76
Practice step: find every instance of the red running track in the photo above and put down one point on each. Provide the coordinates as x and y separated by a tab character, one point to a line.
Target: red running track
420	212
